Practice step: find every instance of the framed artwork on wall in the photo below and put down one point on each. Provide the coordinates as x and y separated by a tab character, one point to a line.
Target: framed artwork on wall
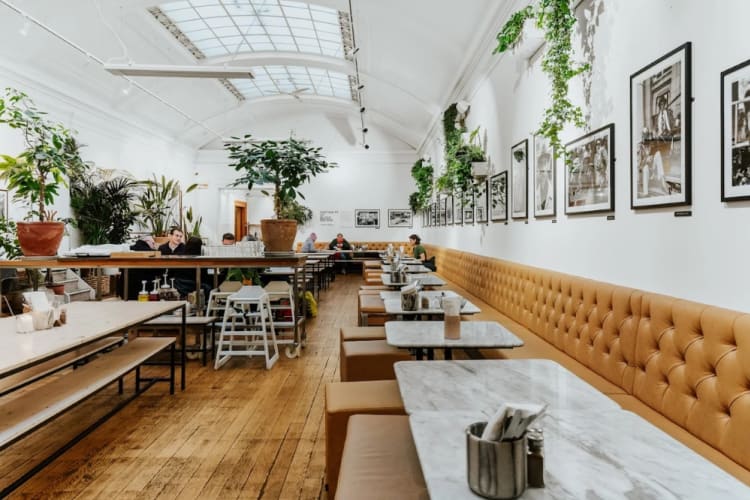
328	217
480	203
399	217
590	172
519	161
449	210
434	214
367	217
735	133
458	209
4	204
467	207
498	197
660	132
444	210
544	178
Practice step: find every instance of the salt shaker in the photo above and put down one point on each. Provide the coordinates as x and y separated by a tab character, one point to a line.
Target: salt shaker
535	458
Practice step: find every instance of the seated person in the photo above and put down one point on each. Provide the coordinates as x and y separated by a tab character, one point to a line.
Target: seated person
419	252
228	239
309	245
174	246
145	243
339	243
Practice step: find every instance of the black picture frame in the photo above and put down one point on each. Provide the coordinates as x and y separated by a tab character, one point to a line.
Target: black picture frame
519	177
467	208
590	172
545	178
449	208
400	217
661	131
434	214
481	203
499	197
735	132
443	210
367	218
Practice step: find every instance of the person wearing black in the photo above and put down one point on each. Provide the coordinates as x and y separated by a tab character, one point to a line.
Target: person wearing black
185	277
174	246
340	243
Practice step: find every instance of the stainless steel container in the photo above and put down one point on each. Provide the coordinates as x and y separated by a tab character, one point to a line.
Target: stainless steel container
496	469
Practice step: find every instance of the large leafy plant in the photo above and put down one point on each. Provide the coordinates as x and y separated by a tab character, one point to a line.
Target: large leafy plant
556	19
36	175
160	204
422	173
103	206
286	165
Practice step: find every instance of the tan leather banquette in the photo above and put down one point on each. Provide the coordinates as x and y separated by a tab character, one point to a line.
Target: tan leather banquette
683	365
371	245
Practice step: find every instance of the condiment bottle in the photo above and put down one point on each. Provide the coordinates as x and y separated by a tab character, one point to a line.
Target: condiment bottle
143	294
535	458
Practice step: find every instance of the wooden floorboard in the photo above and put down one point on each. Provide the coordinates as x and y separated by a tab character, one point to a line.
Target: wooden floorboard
237	432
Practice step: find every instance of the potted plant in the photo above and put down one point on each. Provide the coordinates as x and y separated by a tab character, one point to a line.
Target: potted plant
158	202
37	173
474	153
286	165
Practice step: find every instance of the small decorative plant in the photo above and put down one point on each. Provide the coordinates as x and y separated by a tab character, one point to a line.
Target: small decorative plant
556	19
286	165
37	174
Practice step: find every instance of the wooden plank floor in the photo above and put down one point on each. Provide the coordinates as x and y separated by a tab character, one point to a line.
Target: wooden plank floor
239	432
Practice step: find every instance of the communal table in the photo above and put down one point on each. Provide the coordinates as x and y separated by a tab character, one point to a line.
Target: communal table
87	322
481	385
393	306
424	279
409	268
430	335
598	453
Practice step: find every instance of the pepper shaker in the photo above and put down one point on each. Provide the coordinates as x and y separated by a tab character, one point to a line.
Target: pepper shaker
535	458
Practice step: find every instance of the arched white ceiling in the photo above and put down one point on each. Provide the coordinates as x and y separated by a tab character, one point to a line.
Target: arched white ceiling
410	56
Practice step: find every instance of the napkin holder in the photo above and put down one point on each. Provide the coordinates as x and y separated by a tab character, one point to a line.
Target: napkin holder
410	297
495	469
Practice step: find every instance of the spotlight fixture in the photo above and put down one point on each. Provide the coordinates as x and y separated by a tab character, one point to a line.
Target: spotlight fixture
355	50
362	109
360	86
364	130
367	146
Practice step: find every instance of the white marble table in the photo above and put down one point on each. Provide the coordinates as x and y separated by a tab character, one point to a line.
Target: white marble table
432	294
430	335
598	454
409	268
481	385
393	306
86	323
424	279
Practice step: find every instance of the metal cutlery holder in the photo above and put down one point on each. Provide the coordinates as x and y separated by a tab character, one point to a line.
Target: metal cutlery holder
495	469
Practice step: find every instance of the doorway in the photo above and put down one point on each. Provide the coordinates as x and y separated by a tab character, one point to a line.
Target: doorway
240	219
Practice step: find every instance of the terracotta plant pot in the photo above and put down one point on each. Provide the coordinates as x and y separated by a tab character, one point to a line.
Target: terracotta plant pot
160	240
40	239
278	234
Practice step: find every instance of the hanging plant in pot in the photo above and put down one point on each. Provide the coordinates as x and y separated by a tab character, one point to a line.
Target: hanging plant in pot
35	176
473	150
286	165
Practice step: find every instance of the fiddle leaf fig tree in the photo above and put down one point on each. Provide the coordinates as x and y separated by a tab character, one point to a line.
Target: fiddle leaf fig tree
37	173
286	165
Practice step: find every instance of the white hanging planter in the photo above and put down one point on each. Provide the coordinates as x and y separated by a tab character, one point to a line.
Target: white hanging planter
531	40
480	168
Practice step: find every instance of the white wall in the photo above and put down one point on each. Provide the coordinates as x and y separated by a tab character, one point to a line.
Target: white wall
700	257
110	141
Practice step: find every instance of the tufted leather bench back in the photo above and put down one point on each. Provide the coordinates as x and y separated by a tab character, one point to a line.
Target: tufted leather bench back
688	361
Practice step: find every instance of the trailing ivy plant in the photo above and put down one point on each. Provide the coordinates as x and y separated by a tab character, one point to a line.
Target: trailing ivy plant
556	19
422	173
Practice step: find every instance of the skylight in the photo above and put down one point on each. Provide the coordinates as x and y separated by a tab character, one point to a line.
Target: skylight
229	27
305	80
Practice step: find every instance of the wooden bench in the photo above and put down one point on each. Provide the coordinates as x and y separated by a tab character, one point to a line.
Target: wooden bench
38	405
171	322
56	364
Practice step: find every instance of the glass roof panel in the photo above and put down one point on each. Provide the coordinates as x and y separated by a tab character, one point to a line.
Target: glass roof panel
274	80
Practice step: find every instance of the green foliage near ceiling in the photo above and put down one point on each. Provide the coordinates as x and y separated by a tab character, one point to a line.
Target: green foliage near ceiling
422	173
556	19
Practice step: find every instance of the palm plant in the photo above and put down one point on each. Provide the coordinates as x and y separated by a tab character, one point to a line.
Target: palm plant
103	207
159	201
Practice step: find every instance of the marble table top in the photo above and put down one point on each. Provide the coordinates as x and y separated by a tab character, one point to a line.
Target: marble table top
476	334
424	279
409	268
87	322
481	385
594	454
394	295
393	306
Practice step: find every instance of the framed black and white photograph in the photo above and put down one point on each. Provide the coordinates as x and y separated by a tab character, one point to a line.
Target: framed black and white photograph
367	217
458	212
480	203
519	177
544	178
467	207
498	197
399	217
735	133
660	132
434	214
443	211
3	204
590	172
449	210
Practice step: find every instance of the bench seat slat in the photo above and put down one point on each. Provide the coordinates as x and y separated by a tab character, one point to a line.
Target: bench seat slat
33	408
